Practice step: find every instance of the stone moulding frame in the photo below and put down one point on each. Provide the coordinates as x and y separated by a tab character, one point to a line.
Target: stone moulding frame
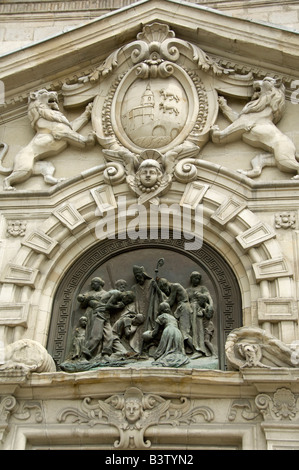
207	261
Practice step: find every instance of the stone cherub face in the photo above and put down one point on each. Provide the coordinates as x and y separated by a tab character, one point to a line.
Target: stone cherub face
149	175
132	410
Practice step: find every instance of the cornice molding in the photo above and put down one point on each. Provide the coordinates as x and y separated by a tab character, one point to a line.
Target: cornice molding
96	7
67	56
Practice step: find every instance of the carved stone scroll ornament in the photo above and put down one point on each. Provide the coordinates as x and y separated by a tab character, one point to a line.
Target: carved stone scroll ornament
253	347
256	125
23	411
132	413
53	133
26	356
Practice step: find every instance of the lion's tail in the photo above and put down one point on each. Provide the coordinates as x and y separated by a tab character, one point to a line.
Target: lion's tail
3	152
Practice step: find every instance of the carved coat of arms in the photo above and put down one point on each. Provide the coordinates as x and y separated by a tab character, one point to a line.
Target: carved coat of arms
154	103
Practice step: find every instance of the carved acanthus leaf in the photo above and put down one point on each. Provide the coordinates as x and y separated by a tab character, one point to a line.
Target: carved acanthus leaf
248	411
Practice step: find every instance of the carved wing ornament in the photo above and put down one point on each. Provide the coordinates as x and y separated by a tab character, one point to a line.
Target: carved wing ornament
133	412
155	45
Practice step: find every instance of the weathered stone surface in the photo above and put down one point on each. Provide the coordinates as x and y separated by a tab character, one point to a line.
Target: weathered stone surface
155	79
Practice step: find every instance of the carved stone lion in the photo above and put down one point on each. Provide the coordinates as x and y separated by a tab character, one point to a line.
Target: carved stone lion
53	133
256	125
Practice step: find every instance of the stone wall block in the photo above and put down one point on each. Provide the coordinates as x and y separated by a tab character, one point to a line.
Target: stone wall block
14	314
255	236
41	243
70	217
19	275
227	211
271	269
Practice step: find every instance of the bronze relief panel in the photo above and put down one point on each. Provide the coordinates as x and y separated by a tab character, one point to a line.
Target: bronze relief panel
150	304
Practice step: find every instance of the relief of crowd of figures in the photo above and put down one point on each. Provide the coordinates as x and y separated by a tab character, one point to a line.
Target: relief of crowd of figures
154	321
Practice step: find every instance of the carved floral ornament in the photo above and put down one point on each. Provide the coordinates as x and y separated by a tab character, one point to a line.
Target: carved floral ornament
20	411
282	405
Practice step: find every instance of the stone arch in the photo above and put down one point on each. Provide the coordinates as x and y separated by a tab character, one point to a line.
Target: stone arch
248	246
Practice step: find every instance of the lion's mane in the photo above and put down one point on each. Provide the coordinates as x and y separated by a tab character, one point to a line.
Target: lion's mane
37	110
270	95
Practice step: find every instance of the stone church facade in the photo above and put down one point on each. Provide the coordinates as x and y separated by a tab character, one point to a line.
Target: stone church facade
149	229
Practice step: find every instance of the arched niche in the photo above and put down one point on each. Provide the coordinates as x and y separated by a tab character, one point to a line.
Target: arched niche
114	259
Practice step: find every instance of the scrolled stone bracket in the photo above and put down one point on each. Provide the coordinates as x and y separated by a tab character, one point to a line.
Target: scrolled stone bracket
280	418
280	406
11	408
7	404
